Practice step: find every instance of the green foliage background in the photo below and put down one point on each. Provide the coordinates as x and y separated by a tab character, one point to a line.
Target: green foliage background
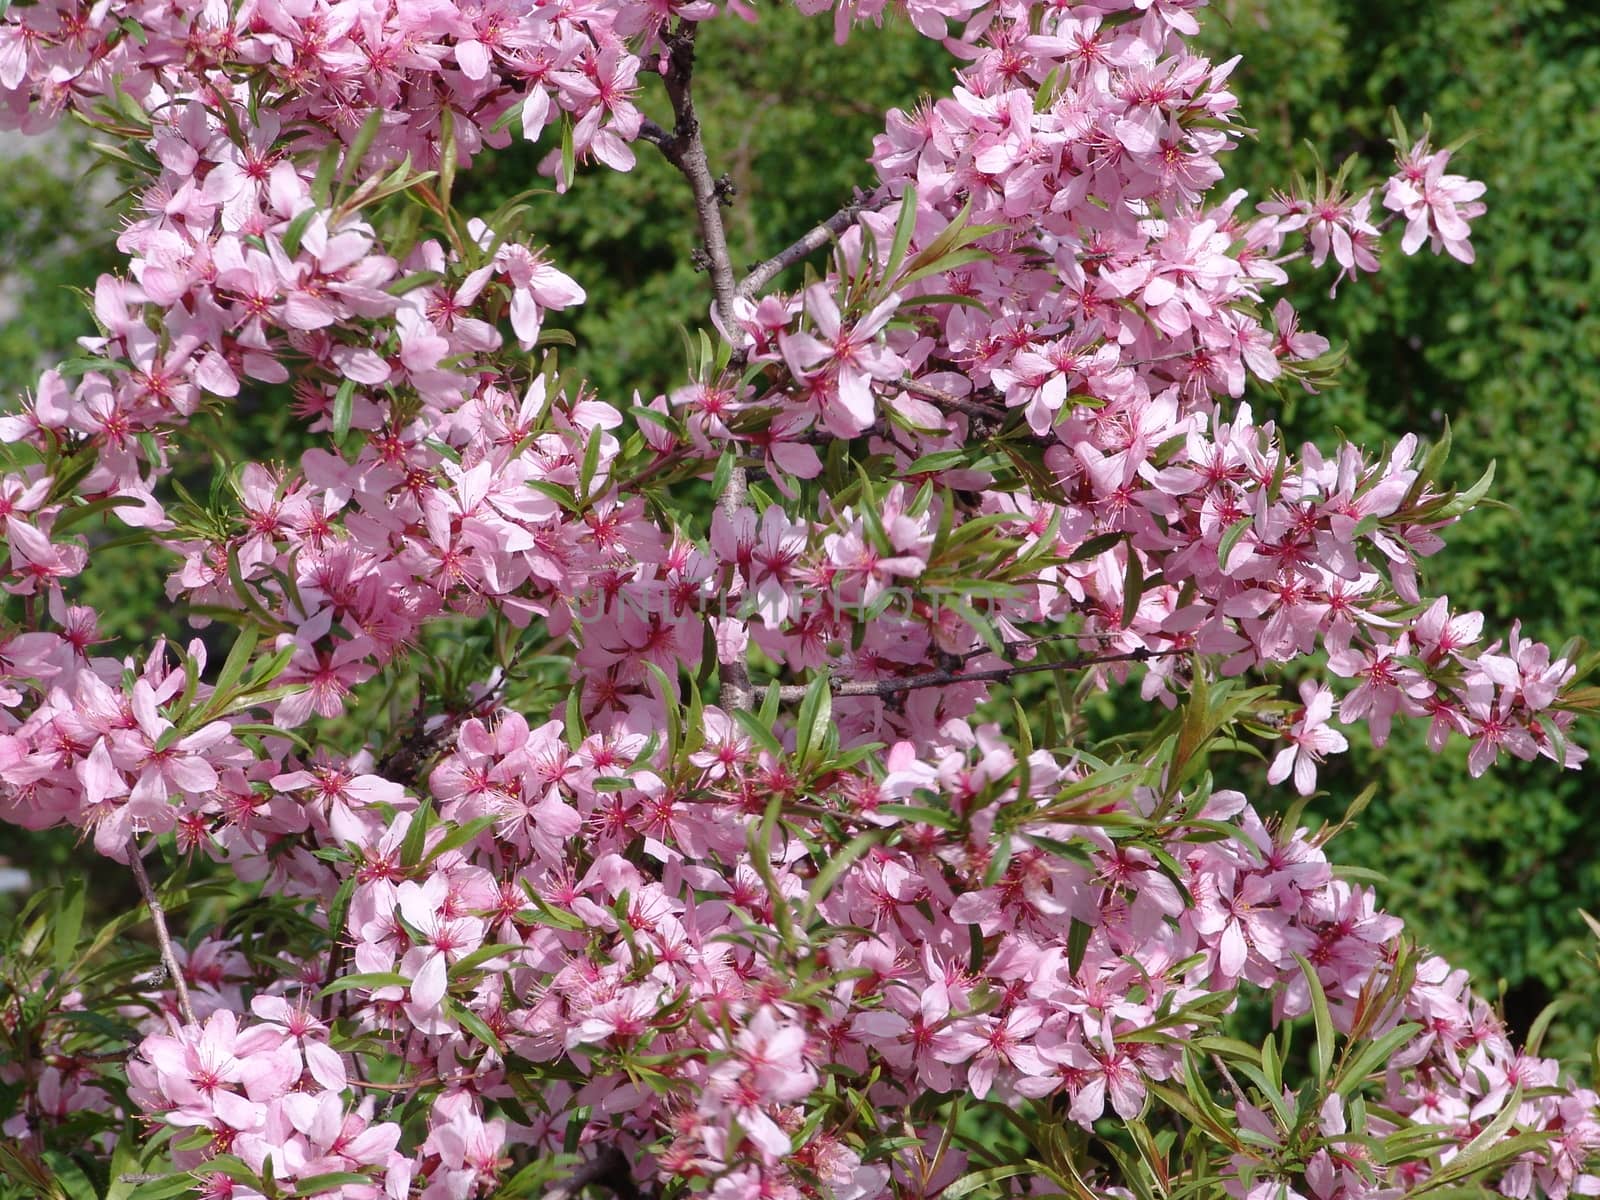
1490	872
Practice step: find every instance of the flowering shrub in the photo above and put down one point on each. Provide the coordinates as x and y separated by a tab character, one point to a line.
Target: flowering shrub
629	794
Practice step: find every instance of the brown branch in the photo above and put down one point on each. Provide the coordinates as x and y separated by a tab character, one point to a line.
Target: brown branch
954	403
793	693
158	917
813	240
685	150
911	683
736	692
608	1169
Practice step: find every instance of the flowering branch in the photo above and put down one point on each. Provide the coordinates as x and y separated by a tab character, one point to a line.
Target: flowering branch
494	879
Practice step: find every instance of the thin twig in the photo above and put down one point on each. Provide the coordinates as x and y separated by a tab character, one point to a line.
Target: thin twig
808	243
1233	1084
954	403
792	693
158	917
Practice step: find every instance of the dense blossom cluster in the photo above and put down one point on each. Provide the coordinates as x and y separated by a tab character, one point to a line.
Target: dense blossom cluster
642	921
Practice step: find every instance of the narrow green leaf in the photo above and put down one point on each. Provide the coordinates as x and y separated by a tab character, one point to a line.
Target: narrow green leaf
1483	1151
1230	539
1132	587
903	229
68	922
365	981
1095	547
417	835
837	864
1372	1057
244	645
816	711
315	1185
79	513
360	144
760	729
1077	943
1322	1056
343	407
972	1182
917	815
460	835
322	182
296	231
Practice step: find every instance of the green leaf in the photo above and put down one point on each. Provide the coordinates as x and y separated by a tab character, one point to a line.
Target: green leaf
314	1185
759	727
163	1189
1077	852
68	922
78	513
473	1024
322	182
1095	547
1483	1151
1463	501
366	981
591	464
569	157
1132	587
903	229
296	231
816	713
244	645
970	1183
416	835
410	283
124	1161
1322	1058
484	954
1372	1057
459	835
1541	1024
360	144
1077	943
1230	539
939	460
723	473
448	154
343	406
837	864
916	815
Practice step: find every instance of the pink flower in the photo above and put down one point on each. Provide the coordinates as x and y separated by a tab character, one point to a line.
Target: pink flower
1309	739
766	1066
848	357
446	935
1435	205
